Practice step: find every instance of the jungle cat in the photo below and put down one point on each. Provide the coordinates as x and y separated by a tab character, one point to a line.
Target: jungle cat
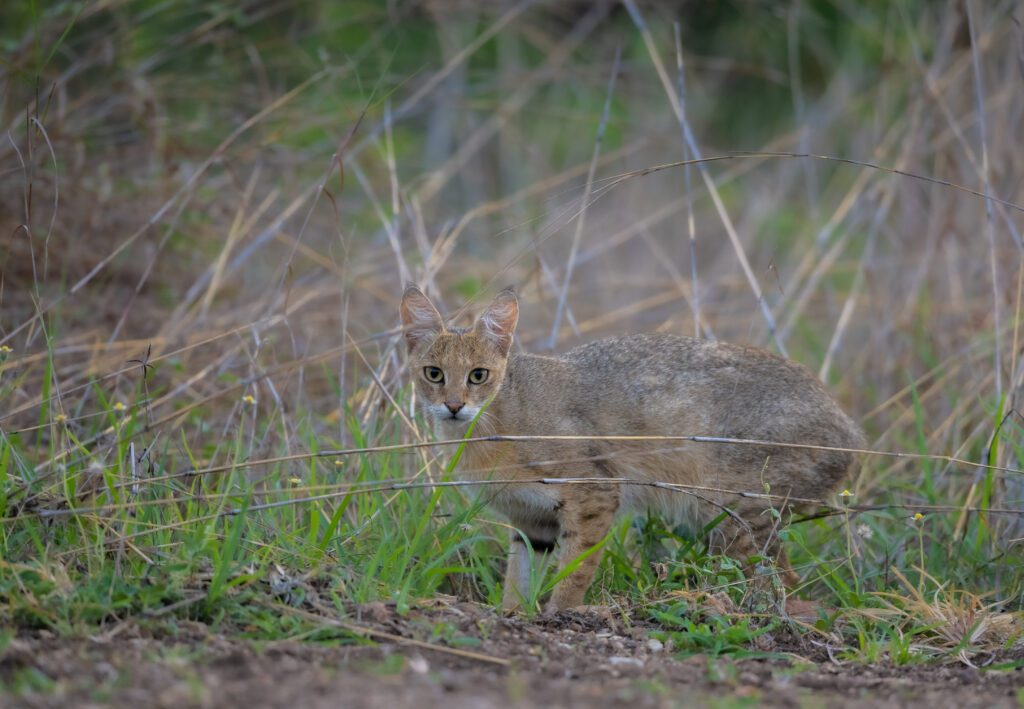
638	385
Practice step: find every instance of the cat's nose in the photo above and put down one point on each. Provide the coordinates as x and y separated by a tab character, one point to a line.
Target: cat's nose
454	406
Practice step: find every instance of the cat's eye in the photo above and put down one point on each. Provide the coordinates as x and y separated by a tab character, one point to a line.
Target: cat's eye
478	376
433	374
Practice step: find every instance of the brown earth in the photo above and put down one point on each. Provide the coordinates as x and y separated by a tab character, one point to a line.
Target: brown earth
574	659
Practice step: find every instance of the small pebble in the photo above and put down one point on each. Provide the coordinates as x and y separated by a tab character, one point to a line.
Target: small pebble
419	665
655	645
620	660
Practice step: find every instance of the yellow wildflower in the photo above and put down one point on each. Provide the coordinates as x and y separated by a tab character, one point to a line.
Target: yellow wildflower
119	406
249	399
60	418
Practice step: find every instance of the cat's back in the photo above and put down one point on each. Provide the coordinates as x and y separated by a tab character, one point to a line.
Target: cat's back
654	381
663	359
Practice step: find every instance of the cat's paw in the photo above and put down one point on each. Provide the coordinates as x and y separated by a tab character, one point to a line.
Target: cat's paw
601	611
596	615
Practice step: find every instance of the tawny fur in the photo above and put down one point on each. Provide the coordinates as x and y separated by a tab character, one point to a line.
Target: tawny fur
657	385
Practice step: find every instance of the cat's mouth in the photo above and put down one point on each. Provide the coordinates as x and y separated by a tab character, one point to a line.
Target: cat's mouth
444	416
459	417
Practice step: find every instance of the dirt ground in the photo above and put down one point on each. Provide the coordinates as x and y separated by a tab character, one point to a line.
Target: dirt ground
572	660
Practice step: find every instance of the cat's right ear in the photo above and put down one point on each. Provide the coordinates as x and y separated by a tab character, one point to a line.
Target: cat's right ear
420	318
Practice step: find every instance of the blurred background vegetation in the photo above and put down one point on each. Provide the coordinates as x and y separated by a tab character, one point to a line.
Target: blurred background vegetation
234	193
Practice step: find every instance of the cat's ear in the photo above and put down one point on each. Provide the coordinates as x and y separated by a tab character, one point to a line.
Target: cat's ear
420	318
497	322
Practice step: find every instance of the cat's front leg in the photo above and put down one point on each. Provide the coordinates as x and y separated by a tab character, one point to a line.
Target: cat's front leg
586	517
523	568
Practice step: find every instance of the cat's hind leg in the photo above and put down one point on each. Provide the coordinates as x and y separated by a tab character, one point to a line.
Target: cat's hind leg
756	536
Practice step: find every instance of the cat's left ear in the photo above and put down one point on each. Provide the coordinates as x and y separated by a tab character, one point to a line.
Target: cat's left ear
497	322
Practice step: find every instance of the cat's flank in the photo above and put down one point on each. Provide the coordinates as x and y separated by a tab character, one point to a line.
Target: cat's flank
636	385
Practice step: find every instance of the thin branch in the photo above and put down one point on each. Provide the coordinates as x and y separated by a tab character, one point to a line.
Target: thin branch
691	141
989	221
339	453
581	220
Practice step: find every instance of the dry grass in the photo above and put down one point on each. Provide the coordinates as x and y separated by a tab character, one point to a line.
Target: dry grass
207	222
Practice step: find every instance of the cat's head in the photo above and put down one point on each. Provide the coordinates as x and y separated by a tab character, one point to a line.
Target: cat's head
456	370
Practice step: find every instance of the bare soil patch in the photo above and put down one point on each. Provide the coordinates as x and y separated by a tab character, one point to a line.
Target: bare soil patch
574	659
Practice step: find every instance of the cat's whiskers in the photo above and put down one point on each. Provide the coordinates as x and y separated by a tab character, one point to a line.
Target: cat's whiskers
487	424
